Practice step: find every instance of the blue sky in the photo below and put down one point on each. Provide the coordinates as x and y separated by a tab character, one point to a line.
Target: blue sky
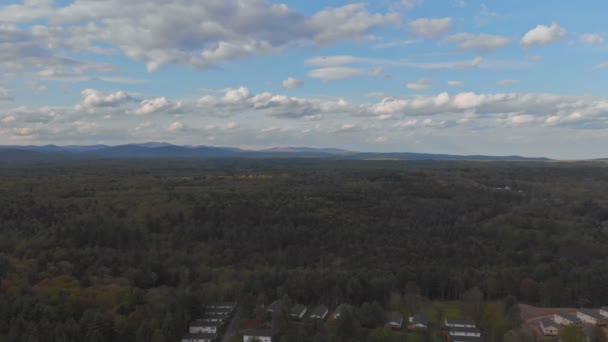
444	76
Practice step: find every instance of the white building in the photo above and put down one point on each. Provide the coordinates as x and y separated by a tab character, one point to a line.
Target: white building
565	318
199	337
591	317
458	323
201	327
257	335
467	332
394	320
549	327
604	311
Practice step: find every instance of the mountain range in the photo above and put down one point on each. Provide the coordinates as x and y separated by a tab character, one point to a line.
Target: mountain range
165	150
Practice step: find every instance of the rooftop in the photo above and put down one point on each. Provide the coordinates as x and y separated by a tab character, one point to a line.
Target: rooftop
465	330
204	324
319	311
199	336
570	317
547	322
419	318
394	317
297	310
460	322
593	313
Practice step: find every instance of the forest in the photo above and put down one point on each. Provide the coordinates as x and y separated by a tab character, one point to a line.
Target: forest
132	250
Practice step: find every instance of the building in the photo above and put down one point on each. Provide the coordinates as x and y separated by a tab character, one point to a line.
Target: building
320	312
418	322
564	318
341	309
201	327
276	306
199	337
604	311
297	312
257	335
458	323
466	332
394	320
549	327
591	317
224	305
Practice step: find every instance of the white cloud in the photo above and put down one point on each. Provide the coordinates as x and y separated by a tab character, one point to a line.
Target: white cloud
601	66
455	83
153	106
291	83
420	85
331	61
507	82
335	73
8	119
200	34
412	3
5	95
521	119
543	35
376	72
92	98
480	42
348	22
175	127
430	28
592	38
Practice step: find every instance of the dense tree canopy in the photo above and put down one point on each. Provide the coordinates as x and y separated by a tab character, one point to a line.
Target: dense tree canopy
130	251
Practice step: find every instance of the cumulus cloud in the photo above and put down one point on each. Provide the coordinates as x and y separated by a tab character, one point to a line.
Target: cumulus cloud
592	38
291	83
543	35
206	34
480	42
92	98
153	106
430	28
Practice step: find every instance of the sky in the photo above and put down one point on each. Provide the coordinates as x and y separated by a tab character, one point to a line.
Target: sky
434	76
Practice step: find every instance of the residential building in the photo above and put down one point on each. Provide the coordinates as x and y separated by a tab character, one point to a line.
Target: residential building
458	323
604	311
592	317
418	322
276	306
565	318
470	332
320	312
394	320
257	335
465	339
549	327
199	337
297	312
201	327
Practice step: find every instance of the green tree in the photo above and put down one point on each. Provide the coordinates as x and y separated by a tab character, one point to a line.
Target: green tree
572	333
473	303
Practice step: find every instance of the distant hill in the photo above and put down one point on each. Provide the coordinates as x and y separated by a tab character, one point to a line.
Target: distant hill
166	150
